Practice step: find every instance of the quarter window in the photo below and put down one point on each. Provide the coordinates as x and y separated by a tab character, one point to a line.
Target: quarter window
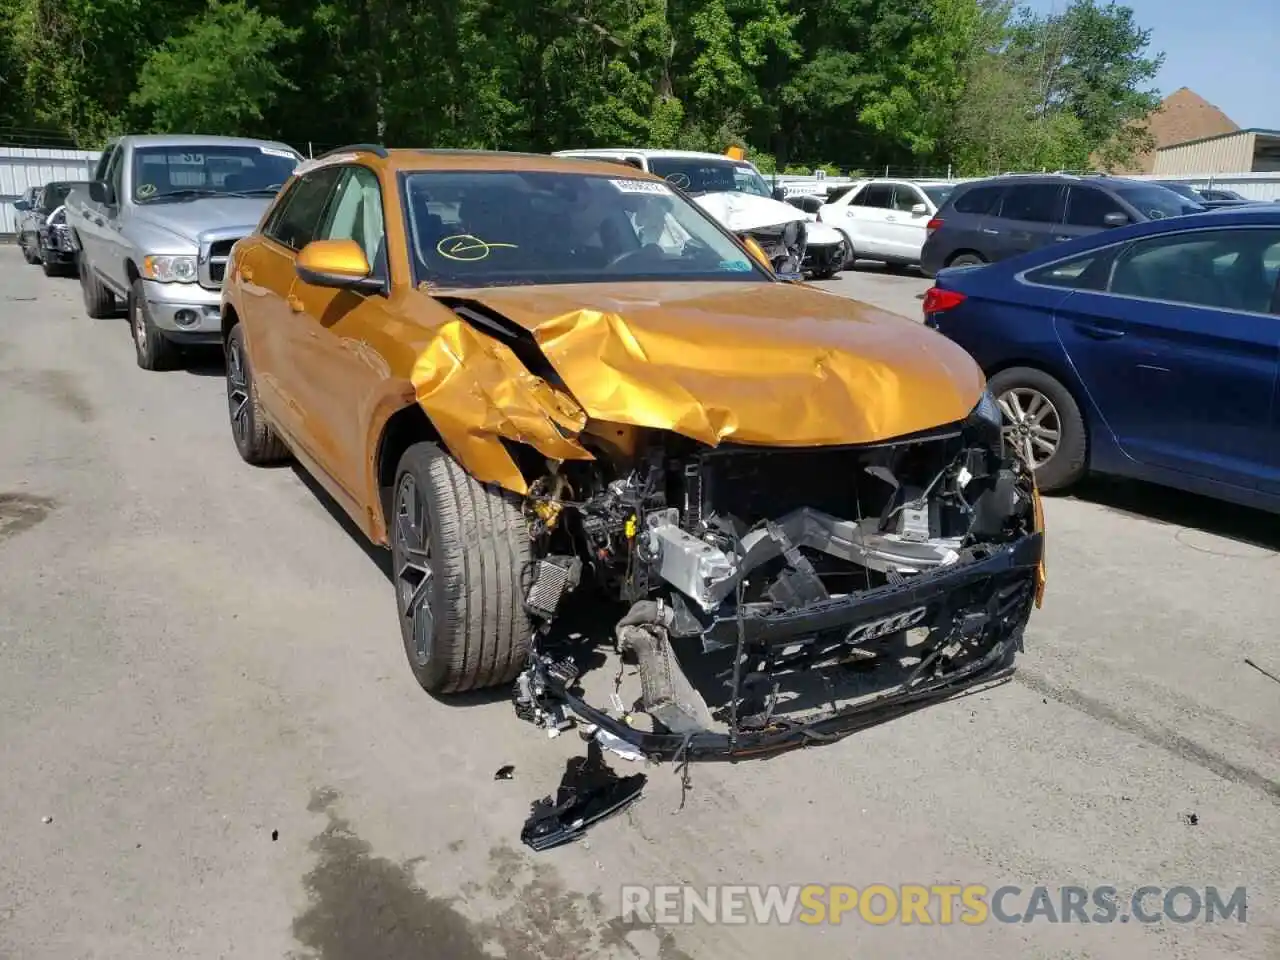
356	214
302	207
979	200
1088	272
1227	269
1031	202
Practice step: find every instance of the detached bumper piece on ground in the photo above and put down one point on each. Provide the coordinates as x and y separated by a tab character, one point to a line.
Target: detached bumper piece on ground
782	598
588	792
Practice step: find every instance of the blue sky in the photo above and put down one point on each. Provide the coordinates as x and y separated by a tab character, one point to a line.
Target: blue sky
1224	51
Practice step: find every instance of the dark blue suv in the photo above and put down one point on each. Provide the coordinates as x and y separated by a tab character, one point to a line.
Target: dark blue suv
984	221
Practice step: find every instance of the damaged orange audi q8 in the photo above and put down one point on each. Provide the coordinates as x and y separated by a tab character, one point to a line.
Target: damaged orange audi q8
548	382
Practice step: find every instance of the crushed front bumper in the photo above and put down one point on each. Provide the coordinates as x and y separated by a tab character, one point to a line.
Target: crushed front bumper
825	258
982	603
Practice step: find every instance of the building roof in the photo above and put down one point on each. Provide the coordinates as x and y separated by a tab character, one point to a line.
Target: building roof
1182	117
1259	131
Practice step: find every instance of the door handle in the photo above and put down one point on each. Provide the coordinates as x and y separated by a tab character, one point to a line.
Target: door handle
1060	239
994	233
890	219
295	304
1095	332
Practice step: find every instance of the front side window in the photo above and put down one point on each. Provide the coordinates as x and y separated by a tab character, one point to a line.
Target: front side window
356	214
1031	202
697	175
496	228
207	170
1228	269
296	218
1156	202
1089	206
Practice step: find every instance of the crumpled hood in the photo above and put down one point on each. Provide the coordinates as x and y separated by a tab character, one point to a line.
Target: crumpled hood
759	363
190	218
746	211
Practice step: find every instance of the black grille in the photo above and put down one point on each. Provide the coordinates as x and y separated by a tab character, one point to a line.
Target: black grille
219	251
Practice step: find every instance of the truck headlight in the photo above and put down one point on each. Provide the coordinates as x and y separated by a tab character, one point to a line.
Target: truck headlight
167	269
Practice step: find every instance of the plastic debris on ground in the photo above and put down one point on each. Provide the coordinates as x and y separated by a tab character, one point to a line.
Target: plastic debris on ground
589	791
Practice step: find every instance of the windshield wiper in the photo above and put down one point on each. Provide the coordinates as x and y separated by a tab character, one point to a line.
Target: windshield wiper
185	194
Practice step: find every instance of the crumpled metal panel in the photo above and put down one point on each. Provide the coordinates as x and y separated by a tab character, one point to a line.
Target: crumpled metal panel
770	364
475	390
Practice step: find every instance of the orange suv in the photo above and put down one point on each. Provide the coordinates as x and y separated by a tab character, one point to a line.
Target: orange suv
548	383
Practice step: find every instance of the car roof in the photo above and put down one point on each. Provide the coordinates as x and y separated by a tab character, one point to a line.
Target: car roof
647	152
410	159
192	139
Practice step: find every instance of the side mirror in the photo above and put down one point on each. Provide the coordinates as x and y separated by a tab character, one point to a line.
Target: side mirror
1114	220
780	193
336	263
757	252
22	206
919	209
100	192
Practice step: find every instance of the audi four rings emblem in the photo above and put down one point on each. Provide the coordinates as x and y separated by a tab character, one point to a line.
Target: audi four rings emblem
886	625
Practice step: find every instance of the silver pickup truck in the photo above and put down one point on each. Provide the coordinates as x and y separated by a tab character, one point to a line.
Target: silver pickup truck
155	226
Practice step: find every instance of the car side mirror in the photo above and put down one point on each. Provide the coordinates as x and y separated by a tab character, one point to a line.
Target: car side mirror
100	192
780	193
1114	220
336	263
919	209
757	252
22	206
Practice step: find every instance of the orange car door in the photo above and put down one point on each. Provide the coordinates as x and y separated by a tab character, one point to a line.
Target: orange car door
267	290
341	373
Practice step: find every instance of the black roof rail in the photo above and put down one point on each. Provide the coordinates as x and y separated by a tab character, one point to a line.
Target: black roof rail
377	149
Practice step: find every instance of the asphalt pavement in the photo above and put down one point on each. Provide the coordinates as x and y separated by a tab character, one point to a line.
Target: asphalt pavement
210	744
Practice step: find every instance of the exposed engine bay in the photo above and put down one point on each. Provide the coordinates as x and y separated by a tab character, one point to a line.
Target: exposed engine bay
814	590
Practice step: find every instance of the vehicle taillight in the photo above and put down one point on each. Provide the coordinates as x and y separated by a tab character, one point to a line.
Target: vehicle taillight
937	300
933	225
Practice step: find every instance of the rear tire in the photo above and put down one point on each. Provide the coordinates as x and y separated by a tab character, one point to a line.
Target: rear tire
154	350
99	302
966	260
459	551
1069	461
255	441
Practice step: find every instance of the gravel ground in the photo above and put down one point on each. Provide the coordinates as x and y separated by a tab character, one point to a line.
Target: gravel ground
211	745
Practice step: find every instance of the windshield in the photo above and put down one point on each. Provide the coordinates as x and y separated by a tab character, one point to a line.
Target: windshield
55	195
938	194
1156	202
697	175
196	170
480	229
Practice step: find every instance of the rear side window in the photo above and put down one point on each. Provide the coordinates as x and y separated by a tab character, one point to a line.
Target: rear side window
979	200
1089	206
904	198
876	195
1032	202
300	210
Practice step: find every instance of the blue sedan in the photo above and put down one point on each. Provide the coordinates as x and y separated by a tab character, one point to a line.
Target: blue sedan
1149	351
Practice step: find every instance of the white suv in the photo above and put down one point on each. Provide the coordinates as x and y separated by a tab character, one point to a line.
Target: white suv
885	219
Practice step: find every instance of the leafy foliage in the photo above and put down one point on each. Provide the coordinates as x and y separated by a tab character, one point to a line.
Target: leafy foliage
848	83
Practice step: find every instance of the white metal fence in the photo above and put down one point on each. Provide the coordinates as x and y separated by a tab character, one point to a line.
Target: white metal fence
23	167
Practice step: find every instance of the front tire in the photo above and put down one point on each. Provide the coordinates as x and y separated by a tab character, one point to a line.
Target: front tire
154	350
459	552
255	441
27	253
1043	426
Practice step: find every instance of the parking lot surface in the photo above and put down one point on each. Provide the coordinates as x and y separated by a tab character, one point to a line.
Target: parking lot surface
211	746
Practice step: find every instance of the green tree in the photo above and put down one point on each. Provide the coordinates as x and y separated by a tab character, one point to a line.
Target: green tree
217	76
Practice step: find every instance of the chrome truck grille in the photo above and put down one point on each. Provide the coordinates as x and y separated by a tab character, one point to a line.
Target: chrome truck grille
215	250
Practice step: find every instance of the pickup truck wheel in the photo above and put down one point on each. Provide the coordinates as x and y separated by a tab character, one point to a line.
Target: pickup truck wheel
154	351
28	254
255	440
99	302
459	552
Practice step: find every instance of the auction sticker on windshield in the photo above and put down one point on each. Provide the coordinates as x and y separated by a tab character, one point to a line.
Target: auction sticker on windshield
192	159
642	186
275	152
